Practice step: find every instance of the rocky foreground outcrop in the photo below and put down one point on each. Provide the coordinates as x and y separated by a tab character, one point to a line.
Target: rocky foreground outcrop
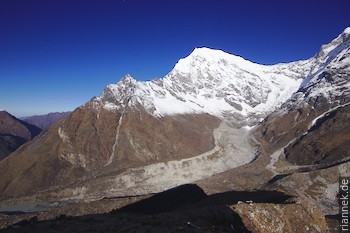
276	218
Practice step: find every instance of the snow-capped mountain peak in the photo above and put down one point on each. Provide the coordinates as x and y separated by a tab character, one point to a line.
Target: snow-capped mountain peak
128	79
207	81
209	55
206	59
116	96
221	84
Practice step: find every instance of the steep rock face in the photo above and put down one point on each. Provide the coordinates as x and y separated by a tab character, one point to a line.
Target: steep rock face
108	140
44	121
14	133
326	141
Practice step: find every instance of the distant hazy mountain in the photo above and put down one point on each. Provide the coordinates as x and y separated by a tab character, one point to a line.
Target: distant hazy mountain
14	133
44	121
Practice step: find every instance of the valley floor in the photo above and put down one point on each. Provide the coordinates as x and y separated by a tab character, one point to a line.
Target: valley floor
183	209
227	178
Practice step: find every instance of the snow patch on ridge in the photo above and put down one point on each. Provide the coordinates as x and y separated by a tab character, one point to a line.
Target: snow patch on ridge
325	114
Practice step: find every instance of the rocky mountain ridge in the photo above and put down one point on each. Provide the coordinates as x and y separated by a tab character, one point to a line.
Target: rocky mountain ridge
14	133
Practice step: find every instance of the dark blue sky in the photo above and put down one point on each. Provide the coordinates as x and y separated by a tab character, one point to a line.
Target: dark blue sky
57	54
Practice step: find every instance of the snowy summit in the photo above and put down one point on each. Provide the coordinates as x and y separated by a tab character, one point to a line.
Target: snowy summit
221	84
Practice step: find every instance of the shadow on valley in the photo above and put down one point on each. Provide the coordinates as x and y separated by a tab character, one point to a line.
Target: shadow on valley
168	200
182	209
192	196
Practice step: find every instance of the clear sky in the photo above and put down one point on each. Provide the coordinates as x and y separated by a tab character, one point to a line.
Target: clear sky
57	54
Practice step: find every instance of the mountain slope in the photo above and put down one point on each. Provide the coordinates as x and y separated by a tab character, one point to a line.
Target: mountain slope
44	121
14	133
324	91
308	136
143	137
